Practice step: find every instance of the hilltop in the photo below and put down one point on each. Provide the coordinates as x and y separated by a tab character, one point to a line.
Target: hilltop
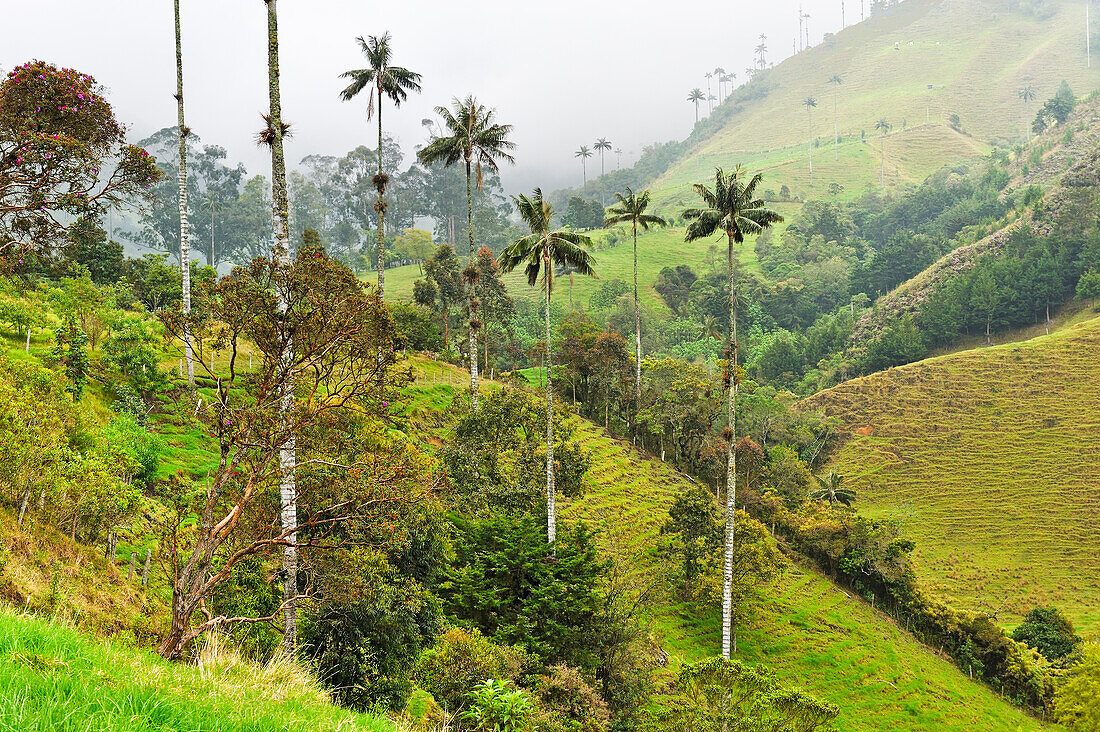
983	456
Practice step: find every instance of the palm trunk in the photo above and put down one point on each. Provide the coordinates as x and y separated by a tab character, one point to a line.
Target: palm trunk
811	149
185	226
551	507
731	470
288	513
472	299
836	124
381	209
637	341
883	157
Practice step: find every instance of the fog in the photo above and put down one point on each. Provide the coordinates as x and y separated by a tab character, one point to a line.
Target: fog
564	73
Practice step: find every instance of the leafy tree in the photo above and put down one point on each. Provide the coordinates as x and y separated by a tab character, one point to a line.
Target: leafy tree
631	209
508	584
132	350
541	251
91	248
57	133
731	208
498	306
1049	632
155	283
674	287
1088	286
1076	703
442	286
70	352
461	660
385	80
899	344
476	139
415	245
696	520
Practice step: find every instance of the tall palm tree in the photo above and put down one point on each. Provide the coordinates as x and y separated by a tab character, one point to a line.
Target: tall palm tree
710	107
477	140
831	490
1027	94
273	136
631	209
541	251
618	157
185	224
761	49
836	81
584	154
721	74
883	126
696	95
810	103
600	146
385	80
733	209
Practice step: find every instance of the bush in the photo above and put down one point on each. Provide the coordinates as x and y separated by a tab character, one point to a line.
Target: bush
569	703
1088	287
1049	632
494	706
461	660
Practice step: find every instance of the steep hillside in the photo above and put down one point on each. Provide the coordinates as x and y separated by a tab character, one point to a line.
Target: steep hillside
986	457
976	55
808	631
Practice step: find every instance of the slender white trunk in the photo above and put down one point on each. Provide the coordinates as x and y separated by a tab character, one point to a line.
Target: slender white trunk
287	455
27	349
472	299
637	340
551	506
731	471
185	225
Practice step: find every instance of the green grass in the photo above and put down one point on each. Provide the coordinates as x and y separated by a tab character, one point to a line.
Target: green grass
976	55
987	458
52	679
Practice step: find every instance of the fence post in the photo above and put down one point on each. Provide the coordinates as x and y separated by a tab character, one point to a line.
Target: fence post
133	558
145	572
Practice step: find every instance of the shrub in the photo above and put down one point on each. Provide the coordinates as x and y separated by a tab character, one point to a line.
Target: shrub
461	660
494	706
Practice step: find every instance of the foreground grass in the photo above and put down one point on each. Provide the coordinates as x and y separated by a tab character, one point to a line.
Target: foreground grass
986	457
54	680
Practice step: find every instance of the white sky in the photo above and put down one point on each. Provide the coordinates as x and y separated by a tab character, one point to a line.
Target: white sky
564	72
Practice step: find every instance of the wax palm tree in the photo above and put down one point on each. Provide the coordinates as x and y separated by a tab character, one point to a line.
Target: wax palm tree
710	107
618	157
185	224
541	251
477	140
810	103
1027	94
385	80
831	490
273	136
883	126
721	74
733	209
584	154
631	209
602	145
761	49
836	81
696	95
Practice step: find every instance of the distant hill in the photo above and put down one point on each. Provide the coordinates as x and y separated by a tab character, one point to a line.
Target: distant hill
987	458
975	54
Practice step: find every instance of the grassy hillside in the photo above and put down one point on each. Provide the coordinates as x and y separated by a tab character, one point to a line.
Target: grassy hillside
808	631
52	679
986	457
976	55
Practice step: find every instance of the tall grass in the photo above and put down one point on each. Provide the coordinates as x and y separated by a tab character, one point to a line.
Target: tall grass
54	680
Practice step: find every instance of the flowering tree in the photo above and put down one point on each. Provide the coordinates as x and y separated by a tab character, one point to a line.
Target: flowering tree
63	155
